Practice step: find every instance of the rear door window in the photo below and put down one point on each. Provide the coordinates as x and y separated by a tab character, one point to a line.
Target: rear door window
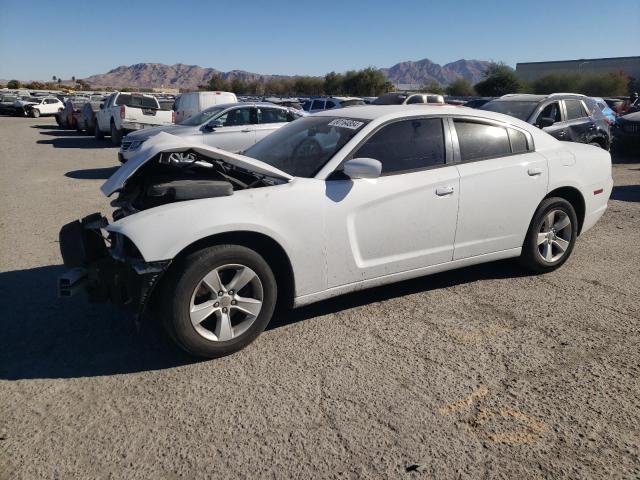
272	115
480	140
317	105
575	109
236	117
415	99
406	145
329	105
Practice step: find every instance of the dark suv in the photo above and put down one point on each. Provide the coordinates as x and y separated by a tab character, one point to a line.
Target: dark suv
566	116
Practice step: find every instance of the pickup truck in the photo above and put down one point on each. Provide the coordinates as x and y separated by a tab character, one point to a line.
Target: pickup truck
125	112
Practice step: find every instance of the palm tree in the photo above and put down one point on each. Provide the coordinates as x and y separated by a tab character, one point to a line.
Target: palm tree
73	79
54	78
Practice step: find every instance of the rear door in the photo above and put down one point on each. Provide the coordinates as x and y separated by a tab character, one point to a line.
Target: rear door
270	119
237	131
579	124
502	181
403	220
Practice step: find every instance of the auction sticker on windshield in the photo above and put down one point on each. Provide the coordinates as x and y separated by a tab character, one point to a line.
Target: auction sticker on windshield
346	123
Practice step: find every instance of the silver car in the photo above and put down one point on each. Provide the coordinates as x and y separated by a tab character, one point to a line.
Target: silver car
233	127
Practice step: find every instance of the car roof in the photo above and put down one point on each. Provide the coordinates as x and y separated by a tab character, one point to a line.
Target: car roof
371	112
244	104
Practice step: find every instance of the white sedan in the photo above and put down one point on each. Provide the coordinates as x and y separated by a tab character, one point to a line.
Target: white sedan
328	204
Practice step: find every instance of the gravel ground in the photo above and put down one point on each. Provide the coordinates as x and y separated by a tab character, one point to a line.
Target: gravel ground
482	372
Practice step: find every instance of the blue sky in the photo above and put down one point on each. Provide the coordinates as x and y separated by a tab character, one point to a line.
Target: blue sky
39	39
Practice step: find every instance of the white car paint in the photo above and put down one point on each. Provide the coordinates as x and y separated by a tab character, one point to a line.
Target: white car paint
345	235
127	118
188	104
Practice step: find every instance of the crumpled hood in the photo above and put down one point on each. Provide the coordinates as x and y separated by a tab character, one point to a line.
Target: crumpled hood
631	117
164	142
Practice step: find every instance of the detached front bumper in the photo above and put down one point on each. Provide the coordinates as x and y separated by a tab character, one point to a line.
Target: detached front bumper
107	269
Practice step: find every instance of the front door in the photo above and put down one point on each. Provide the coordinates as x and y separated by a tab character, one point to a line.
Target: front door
554	112
403	220
236	131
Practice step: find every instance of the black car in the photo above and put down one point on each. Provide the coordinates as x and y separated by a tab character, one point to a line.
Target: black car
627	131
566	116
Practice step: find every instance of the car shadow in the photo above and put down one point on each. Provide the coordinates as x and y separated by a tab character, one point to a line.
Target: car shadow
92	173
46	337
626	193
76	141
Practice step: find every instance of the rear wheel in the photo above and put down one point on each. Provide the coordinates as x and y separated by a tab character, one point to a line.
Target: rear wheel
551	237
35	113
218	300
116	135
97	133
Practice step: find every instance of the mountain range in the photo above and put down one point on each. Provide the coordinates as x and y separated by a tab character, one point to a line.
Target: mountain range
158	75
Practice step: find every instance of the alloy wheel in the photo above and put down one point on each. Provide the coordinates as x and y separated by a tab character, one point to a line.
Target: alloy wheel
554	236
226	302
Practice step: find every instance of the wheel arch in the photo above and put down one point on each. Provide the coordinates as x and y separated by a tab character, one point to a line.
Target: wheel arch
273	253
575	198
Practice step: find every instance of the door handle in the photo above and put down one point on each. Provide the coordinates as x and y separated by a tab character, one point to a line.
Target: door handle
246	130
561	133
443	191
534	171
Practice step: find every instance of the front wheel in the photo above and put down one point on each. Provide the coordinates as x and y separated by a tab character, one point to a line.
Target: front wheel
551	236
35	113
218	300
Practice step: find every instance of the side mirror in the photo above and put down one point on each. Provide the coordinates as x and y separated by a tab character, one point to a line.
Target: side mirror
545	122
212	125
362	168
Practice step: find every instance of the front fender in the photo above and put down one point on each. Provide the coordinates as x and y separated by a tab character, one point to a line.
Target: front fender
291	214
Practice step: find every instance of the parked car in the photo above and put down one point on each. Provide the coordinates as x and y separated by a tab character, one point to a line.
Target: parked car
6	103
313	105
615	104
22	102
606	110
232	126
285	102
68	118
127	112
86	119
42	106
214	239
398	98
565	116
189	104
477	102
627	131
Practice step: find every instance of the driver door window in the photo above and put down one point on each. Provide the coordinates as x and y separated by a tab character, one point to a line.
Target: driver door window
415	99
406	146
236	117
551	111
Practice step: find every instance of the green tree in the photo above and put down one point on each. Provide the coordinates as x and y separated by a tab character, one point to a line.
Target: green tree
499	80
603	85
238	85
366	82
217	83
552	83
460	87
13	84
333	83
432	87
59	80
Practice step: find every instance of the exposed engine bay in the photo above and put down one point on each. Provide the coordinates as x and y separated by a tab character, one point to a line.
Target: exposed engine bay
181	176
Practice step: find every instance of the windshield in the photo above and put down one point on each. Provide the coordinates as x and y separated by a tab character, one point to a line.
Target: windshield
202	117
302	147
521	110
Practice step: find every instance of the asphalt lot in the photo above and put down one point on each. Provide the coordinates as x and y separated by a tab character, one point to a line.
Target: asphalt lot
482	372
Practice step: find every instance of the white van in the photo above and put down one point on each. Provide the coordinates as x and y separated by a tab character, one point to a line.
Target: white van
188	104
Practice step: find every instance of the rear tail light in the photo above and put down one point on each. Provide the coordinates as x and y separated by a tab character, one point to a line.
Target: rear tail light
173	116
122	112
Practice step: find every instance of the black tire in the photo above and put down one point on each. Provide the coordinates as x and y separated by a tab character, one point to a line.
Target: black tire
182	280
531	256
97	133
58	120
35	113
116	135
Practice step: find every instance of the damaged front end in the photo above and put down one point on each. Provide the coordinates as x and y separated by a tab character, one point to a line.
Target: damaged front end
105	263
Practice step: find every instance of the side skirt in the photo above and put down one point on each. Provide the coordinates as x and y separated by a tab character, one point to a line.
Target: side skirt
398	277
